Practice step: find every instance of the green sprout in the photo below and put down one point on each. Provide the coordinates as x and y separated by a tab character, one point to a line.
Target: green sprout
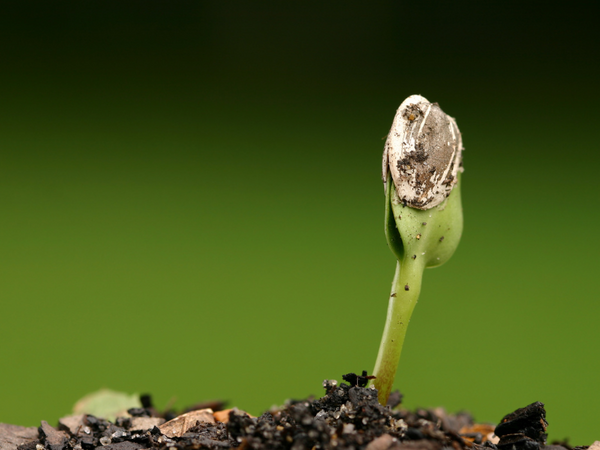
422	163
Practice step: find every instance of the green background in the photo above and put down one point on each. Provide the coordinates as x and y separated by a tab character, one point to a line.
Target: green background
191	203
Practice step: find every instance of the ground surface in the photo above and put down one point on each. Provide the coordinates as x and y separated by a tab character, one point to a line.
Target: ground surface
348	416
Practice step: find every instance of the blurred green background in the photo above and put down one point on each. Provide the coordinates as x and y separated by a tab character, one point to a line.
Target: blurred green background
192	205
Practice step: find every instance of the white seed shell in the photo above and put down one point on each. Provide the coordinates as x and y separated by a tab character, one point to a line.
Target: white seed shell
423	151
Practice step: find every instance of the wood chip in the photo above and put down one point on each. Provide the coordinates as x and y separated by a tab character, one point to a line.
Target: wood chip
222	416
181	424
486	431
53	438
72	424
11	436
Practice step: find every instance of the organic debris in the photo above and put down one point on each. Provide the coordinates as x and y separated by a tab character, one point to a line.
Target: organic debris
358	380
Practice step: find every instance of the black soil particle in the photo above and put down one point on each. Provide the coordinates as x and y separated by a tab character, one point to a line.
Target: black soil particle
419	155
346	417
525	428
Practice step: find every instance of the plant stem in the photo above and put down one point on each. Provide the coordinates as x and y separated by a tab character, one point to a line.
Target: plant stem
400	307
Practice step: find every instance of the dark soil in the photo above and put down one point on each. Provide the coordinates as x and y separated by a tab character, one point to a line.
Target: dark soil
347	417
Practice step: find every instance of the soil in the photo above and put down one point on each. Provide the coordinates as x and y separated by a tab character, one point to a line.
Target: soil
348	416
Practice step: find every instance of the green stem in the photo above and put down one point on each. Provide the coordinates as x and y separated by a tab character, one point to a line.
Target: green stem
401	304
418	239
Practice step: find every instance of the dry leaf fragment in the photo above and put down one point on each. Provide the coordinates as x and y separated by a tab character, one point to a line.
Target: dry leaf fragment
107	404
181	424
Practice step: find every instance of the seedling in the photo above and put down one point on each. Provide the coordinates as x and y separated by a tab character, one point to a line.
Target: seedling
422	163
